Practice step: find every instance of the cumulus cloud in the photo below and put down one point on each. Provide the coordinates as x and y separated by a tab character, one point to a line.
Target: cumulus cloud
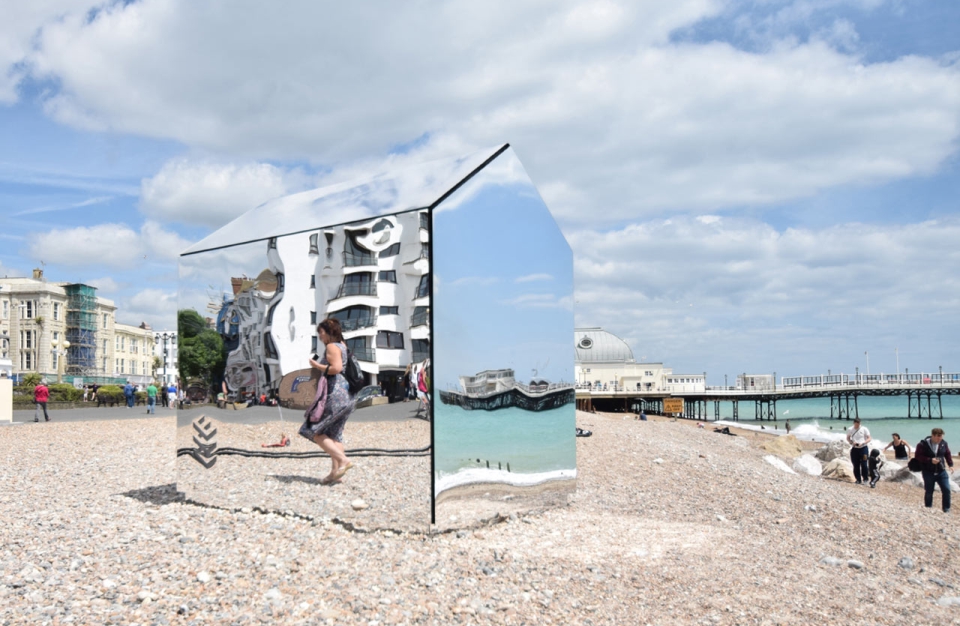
701	293
111	245
606	112
156	307
529	278
212	194
105	284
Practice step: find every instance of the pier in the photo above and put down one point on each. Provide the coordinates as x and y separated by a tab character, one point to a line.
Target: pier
923	392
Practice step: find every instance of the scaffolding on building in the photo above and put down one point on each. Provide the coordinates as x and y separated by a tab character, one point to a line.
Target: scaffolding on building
81	330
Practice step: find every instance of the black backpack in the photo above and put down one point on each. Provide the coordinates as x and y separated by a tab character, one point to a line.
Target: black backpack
353	374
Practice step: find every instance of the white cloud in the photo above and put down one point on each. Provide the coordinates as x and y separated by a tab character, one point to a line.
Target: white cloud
529	278
612	120
702	295
112	245
211	194
156	307
105	284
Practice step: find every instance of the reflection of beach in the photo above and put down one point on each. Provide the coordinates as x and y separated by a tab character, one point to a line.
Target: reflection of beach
396	489
473	502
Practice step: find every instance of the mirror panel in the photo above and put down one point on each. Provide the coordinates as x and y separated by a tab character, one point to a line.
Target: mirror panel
503	368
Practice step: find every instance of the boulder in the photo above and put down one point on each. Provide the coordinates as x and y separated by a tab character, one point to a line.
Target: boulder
807	464
904	475
890	469
839	469
784	445
834	450
779	464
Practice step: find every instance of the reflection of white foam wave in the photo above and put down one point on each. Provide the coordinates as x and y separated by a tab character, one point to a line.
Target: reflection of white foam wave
807	432
483	475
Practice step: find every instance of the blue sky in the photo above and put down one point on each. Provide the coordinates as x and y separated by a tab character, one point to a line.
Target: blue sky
746	186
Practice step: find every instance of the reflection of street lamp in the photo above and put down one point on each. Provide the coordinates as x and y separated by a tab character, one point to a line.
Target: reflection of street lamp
61	353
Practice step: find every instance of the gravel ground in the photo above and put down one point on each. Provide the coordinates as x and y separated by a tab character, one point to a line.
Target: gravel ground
669	525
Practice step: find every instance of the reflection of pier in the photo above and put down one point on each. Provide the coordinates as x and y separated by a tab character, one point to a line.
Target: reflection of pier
923	391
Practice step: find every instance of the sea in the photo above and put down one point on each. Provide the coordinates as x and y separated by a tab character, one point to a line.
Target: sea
883	416
508	445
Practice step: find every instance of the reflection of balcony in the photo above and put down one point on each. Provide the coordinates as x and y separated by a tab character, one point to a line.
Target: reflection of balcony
356	323
357	289
352	259
365	354
418	356
420	318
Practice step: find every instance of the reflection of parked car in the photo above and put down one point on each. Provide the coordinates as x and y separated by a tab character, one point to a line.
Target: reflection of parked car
368	396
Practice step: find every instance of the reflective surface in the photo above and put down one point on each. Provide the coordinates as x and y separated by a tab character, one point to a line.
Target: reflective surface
400	190
265	300
504	432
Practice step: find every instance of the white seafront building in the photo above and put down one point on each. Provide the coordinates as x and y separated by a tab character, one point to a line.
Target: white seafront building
372	275
605	362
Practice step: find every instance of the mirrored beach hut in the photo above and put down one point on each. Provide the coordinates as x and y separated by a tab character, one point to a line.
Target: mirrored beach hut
461	339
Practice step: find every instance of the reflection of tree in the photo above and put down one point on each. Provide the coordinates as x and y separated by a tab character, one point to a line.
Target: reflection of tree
201	353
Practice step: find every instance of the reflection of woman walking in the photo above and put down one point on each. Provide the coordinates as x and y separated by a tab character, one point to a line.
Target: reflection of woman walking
328	431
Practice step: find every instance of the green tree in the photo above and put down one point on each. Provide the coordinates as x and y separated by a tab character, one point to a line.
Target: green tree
157	365
201	352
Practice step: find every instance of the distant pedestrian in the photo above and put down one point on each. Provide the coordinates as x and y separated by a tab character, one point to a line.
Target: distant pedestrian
164	396
876	462
40	395
94	388
934	456
86	392
151	399
787	426
901	449
129	392
172	395
858	436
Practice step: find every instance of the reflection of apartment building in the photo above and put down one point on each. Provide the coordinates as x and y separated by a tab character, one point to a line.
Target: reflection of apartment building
35	313
373	276
605	362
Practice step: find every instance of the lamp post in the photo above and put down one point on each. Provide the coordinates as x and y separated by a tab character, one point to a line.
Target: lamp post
897	352
157	339
867	354
60	349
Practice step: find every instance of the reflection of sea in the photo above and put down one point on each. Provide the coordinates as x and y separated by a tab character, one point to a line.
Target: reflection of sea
532	443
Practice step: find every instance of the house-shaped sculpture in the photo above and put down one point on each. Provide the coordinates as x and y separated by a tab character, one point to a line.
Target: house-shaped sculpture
454	289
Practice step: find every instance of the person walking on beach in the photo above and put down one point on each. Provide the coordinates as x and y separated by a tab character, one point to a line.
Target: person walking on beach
858	437
328	431
934	456
151	399
875	462
40	395
787	426
901	449
128	393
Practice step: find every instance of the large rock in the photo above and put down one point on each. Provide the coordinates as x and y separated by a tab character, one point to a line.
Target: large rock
807	464
904	475
778	463
839	469
784	445
834	450
890	469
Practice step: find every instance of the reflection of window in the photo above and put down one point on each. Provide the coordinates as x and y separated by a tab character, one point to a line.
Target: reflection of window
27	309
272	243
268	348
354	254
382	224
270	313
423	289
313	344
389	310
313	318
360	348
421	315
421	350
314	245
355	317
425	220
388	339
424	250
388	276
313	281
6	309
280	282
361	284
393	250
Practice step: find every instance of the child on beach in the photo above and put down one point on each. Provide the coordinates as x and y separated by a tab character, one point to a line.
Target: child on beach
876	462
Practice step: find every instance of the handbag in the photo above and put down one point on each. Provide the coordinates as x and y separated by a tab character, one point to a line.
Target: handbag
914	465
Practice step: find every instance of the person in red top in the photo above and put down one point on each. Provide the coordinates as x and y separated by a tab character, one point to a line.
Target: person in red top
40	395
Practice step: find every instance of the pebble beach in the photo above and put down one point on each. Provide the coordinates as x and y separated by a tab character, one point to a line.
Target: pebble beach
669	524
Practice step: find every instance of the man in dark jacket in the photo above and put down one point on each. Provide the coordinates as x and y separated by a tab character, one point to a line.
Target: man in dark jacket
933	453
129	392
